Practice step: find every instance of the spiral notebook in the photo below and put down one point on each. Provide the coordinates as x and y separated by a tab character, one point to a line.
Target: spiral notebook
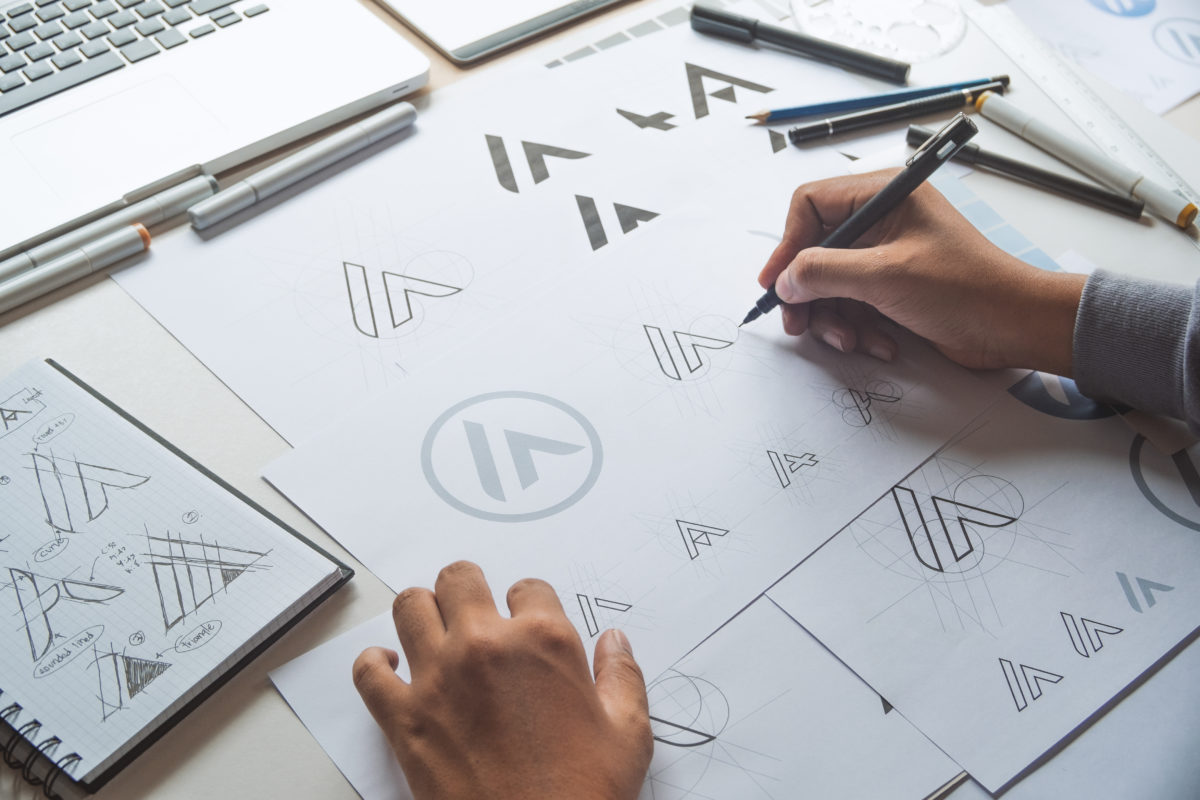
133	582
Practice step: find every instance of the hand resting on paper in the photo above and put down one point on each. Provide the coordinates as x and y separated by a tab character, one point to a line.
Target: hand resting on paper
925	267
506	708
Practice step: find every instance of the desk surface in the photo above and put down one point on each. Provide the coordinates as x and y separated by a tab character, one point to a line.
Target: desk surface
244	742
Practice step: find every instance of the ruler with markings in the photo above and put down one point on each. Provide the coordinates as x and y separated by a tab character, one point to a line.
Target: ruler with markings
1094	118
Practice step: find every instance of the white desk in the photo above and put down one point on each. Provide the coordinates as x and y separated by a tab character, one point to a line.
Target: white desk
244	741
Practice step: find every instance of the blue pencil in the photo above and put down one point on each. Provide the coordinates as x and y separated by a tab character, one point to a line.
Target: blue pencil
872	101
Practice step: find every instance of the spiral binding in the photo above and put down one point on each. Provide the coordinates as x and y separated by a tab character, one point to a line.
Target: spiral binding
39	753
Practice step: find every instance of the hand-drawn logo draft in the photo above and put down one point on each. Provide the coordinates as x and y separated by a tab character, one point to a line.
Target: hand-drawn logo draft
1170	483
1085	633
511	456
74	493
696	535
589	607
122	678
37	596
861	407
685	710
786	465
390	306
628	217
1026	685
684	360
1058	397
17	410
535	157
188	573
945	534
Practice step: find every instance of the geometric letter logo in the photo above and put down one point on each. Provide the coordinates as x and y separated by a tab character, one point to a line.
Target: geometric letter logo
1026	684
72	490
1177	500
1148	588
627	216
793	464
696	76
696	535
397	295
588	606
856	403
17	410
535	157
657	121
687	348
1085	633
948	542
511	456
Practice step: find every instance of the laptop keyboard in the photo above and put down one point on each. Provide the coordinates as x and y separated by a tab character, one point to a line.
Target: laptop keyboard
49	46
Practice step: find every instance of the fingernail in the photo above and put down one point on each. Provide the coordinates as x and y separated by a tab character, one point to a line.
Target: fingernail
621	641
882	352
834	340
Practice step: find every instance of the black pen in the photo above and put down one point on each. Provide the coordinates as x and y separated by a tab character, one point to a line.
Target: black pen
709	19
946	101
935	152
1046	179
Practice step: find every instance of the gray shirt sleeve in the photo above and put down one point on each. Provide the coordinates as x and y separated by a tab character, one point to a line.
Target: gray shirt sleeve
1137	342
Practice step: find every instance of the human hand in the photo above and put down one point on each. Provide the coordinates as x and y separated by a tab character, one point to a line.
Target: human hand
506	708
925	267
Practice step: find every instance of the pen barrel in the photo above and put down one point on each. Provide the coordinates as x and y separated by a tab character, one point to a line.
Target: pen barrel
1088	159
893	113
887	199
300	165
830	52
103	252
151	211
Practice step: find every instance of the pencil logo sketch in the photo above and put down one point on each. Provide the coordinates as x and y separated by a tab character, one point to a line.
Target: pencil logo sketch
37	596
74	493
656	121
684	359
785	465
859	406
1178	501
535	157
588	606
685	710
511	456
943	545
1146	588
696	76
627	216
19	409
188	573
398	291
121	678
1058	397
1085	633
1026	685
696	535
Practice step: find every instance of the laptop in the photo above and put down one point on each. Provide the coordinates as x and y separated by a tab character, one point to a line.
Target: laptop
103	99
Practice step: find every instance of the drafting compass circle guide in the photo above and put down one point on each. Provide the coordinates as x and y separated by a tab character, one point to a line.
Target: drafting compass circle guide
511	456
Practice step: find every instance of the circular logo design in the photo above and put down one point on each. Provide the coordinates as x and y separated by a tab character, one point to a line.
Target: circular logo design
1170	483
511	456
1125	8
1180	39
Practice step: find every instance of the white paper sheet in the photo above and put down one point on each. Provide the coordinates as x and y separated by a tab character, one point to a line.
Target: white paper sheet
712	458
1016	583
1148	48
786	720
128	575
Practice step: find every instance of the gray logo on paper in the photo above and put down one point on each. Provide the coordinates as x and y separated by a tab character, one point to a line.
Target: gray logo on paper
511	456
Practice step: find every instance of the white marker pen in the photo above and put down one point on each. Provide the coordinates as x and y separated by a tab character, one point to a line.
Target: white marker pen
1084	157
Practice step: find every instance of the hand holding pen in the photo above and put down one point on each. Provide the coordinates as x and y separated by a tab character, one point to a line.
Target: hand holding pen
924	267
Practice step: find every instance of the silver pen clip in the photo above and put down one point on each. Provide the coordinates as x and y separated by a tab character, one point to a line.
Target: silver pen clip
937	139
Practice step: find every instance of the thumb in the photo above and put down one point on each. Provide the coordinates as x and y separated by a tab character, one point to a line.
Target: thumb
820	272
619	681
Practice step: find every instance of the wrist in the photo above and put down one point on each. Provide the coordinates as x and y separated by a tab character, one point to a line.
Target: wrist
1045	331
